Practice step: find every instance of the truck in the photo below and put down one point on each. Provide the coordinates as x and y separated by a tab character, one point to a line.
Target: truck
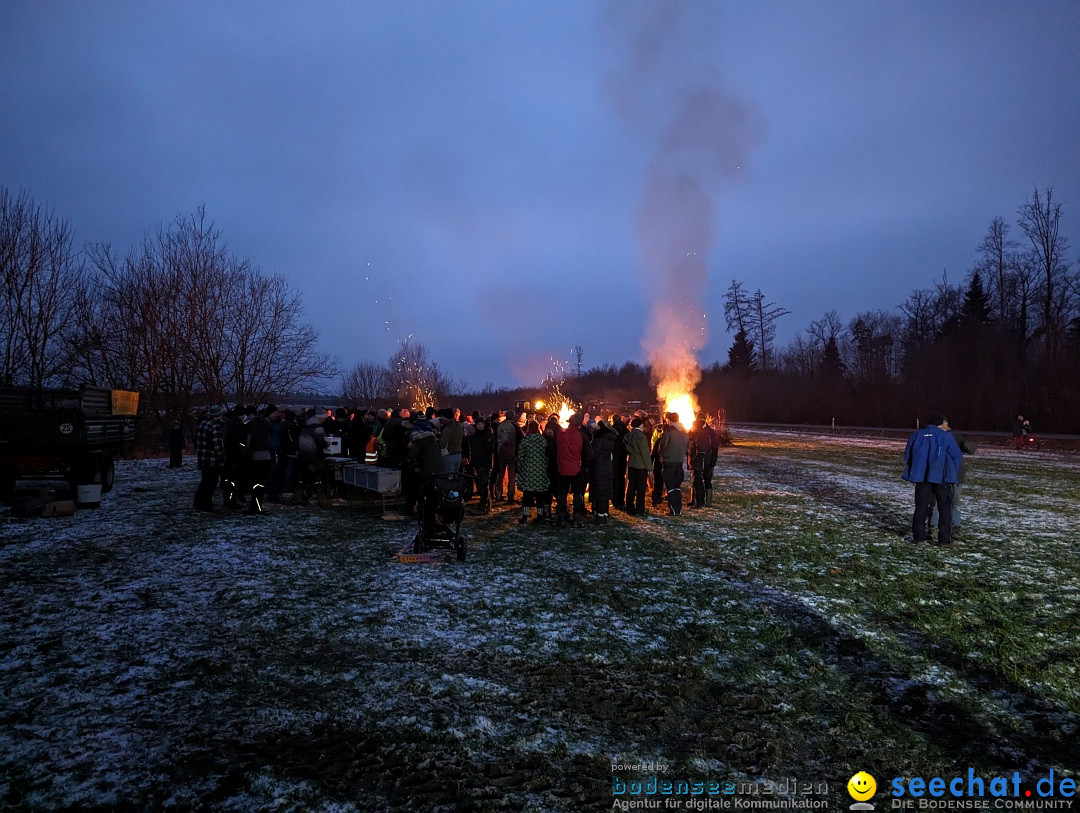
72	434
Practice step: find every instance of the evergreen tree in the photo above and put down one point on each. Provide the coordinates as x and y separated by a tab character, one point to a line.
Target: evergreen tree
976	307
741	354
832	368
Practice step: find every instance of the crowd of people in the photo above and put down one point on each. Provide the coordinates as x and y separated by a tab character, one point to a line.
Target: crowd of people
265	454
260	455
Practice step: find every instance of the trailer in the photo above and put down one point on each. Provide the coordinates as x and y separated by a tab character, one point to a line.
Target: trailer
70	434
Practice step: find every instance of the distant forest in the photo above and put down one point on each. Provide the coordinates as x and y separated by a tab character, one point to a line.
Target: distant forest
185	323
1004	340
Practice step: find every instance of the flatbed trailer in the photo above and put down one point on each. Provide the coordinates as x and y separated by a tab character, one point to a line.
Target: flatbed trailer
71	434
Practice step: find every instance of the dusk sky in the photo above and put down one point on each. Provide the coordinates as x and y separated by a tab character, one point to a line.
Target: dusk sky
503	180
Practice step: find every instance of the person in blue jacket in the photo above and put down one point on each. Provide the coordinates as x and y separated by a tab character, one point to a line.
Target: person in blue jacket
932	461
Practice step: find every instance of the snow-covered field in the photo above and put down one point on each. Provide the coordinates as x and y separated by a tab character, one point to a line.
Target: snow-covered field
154	657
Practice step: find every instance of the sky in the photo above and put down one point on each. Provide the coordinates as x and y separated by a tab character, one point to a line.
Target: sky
504	180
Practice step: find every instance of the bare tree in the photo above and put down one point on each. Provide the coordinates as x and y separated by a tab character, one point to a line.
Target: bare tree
827	327
737	308
183	321
1040	219
800	358
271	350
999	262
38	275
763	320
804	356
922	323
366	384
875	356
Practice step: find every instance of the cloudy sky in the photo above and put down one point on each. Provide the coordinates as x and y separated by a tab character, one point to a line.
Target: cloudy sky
503	180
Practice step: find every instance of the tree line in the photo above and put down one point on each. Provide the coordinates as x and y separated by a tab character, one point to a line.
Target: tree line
1004	339
185	322
177	317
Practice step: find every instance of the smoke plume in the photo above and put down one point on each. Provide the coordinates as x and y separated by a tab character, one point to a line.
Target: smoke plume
668	93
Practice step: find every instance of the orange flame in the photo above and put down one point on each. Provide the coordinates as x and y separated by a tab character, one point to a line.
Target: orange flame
683	403
565	411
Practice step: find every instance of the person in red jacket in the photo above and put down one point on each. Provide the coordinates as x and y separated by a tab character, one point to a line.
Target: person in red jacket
569	456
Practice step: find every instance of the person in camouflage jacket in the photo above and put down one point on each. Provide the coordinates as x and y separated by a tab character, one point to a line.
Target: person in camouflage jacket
532	473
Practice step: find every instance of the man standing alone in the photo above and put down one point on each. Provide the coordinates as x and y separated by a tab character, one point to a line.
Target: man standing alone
932	462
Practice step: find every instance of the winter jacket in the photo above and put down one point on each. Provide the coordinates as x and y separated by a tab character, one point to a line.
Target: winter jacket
621	431
551	432
932	456
482	448
714	441
290	437
423	456
210	443
532	464
257	443
312	442
451	437
601	474
507	436
568	447
637	446
359	435
673	444
235	438
702	449
394	439
277	433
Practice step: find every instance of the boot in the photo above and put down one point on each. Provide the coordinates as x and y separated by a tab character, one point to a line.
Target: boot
524	516
708	496
299	496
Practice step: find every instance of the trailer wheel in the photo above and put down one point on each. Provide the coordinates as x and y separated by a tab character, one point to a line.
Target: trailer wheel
108	474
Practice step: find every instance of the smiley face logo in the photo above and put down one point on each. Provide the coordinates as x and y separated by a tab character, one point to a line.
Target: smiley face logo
861	786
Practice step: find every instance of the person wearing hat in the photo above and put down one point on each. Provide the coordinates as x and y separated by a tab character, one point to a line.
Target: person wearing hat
932	461
210	452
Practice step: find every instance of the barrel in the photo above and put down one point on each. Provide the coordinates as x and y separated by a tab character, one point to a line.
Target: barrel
88	495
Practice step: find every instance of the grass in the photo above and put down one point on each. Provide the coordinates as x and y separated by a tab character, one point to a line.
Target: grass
153	657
